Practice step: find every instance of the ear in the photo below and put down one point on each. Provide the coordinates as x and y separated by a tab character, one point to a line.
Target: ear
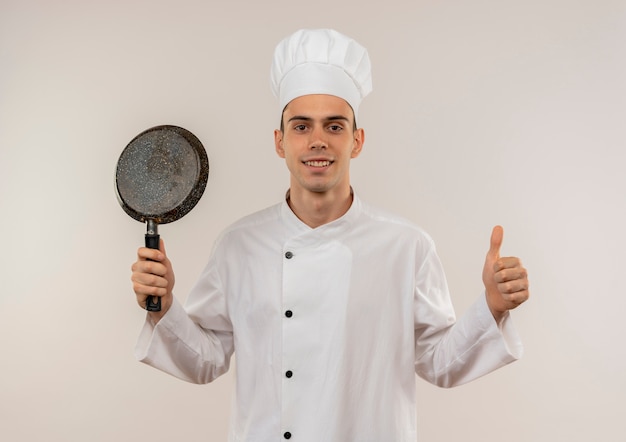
278	143
359	140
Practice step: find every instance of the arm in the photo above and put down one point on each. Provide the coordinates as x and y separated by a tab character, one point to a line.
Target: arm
182	348
195	348
451	352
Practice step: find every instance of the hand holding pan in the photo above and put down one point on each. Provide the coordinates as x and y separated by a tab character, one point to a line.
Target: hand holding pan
160	177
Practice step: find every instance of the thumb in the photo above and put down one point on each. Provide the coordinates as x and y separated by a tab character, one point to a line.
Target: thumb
496	241
162	249
162	246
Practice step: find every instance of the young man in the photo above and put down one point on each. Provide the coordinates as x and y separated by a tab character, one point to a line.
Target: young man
331	305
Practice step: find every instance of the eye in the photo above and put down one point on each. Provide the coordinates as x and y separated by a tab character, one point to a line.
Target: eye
299	127
335	128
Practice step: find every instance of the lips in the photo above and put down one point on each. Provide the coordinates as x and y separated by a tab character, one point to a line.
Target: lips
318	163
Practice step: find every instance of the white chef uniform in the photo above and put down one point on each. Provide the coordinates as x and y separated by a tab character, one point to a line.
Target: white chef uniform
328	325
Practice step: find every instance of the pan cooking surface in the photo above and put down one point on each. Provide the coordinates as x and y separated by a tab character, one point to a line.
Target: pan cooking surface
157	175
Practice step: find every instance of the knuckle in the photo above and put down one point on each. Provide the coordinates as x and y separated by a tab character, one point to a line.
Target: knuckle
503	276
155	268
153	281
510	287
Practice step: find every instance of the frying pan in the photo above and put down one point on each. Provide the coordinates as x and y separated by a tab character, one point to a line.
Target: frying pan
160	177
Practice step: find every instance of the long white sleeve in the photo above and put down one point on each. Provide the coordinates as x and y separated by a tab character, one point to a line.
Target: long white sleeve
473	347
178	346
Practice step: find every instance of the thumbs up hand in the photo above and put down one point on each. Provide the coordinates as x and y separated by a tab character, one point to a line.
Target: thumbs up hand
505	279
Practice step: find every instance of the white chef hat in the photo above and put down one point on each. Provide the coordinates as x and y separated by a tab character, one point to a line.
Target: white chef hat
320	61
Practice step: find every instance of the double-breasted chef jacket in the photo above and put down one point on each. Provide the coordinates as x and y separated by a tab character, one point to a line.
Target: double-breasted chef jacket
329	326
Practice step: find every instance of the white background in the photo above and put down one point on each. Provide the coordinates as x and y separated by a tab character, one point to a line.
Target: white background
483	112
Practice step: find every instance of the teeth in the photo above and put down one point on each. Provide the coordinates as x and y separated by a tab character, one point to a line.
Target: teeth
317	163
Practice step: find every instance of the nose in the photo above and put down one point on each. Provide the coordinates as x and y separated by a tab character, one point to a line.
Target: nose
318	139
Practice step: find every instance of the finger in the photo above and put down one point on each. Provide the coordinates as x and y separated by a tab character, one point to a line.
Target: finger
149	280
516	298
145	253
513	287
496	242
151	288
508	262
508	271
149	267
143	291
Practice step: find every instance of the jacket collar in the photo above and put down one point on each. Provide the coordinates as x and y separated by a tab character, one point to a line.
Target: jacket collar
332	229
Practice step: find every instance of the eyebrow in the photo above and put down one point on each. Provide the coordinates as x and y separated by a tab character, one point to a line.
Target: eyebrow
331	118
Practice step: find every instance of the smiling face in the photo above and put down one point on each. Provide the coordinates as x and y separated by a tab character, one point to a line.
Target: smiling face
318	141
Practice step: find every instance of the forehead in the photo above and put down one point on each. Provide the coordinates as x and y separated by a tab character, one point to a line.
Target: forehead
318	107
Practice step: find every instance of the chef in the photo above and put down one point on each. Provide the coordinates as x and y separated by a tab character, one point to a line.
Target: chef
330	305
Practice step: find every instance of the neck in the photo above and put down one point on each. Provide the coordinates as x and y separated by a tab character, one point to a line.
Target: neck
318	208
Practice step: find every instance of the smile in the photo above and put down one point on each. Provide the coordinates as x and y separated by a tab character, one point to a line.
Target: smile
317	163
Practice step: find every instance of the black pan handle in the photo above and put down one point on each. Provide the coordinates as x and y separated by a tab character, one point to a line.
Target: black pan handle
153	303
